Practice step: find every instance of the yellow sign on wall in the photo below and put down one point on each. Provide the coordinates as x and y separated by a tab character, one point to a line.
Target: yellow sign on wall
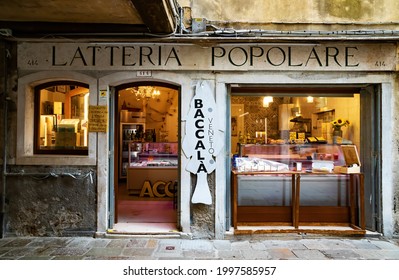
98	118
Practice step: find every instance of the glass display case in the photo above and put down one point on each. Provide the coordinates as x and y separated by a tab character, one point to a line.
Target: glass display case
291	154
129	133
152	154
296	186
152	166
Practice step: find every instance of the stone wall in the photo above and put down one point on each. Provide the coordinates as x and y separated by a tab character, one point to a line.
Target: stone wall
51	201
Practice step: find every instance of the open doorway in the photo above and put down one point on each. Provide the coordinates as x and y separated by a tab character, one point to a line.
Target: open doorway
146	158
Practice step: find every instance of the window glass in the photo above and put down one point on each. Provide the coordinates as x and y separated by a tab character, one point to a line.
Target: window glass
294	130
61	118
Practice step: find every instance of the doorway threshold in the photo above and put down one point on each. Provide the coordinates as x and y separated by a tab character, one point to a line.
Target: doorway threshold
144	228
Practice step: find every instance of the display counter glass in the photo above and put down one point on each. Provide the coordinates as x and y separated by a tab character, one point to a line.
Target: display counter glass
153	169
270	188
290	154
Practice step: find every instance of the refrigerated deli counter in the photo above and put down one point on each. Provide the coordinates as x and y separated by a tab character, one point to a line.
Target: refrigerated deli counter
152	169
296	188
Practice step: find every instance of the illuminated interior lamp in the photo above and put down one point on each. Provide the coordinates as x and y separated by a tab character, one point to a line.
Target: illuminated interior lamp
310	99
267	100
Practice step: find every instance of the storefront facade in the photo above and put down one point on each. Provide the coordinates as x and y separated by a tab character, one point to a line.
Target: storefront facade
228	72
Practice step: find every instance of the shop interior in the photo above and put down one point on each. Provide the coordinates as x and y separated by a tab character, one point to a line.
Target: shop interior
293	132
63	119
147	163
294	120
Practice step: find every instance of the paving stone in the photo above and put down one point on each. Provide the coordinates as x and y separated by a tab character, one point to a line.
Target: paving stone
51	242
109	258
136	243
363	244
390	255
169	242
17	253
259	246
341	254
281	254
69	251
338	244
35	257
4	250
103	251
200	254
168	249
79	242
100	243
117	243
41	251
304	254
4	242
384	245
230	254
67	258
255	255
222	245
198	245
314	244
152	243
289	244
370	254
142	252
20	242
240	245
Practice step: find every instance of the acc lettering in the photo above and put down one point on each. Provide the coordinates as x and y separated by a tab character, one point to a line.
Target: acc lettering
151	191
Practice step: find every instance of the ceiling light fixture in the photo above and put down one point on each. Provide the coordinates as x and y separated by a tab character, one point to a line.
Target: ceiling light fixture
145	92
267	100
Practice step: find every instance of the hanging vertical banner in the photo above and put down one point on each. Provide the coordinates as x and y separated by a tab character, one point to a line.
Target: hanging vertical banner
202	141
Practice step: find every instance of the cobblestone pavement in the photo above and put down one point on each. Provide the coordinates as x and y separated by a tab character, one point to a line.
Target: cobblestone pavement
237	248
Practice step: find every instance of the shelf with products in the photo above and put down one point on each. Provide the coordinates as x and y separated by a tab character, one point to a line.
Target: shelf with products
129	132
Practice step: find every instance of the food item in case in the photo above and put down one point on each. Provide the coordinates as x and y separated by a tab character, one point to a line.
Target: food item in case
245	164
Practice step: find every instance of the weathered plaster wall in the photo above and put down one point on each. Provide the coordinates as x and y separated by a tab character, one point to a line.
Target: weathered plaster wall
43	205
395	154
297	12
203	216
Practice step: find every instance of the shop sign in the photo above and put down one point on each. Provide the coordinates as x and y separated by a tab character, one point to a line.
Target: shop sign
146	57
203	140
98	118
158	189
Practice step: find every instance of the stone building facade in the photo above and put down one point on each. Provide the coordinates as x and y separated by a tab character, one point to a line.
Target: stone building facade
301	44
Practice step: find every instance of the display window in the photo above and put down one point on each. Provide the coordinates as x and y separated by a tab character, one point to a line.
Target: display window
61	118
291	162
